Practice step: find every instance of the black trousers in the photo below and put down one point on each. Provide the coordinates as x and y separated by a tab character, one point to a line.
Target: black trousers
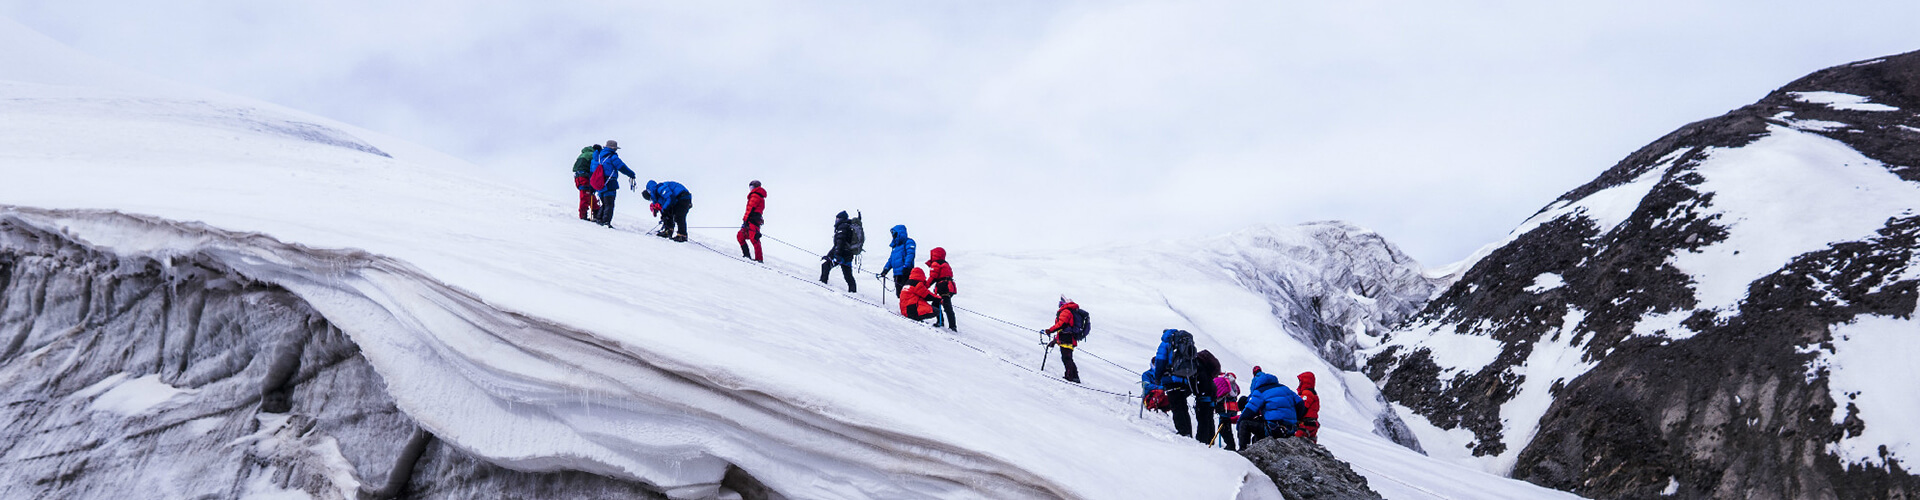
1177	401
675	216
846	270
945	308
900	281
1066	358
1255	430
1203	417
604	215
1247	427
1226	431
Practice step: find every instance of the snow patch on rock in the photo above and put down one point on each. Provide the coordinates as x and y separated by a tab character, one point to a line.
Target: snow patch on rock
1871	365
1839	195
1558	357
1841	101
1546	281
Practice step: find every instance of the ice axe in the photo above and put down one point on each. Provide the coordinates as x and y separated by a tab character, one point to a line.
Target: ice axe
1043	355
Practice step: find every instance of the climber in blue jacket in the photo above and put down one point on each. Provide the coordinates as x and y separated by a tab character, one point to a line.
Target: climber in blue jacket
903	257
1272	410
675	200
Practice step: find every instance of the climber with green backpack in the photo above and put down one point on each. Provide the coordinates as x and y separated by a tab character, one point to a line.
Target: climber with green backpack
583	167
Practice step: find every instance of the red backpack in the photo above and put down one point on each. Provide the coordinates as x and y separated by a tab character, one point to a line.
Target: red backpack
1155	400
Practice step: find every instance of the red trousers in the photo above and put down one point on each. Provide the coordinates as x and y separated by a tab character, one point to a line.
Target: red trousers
750	233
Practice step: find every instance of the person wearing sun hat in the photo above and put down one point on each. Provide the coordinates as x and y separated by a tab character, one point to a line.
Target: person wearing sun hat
607	167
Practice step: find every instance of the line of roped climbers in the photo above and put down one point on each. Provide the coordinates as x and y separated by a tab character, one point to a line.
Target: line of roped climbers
1177	371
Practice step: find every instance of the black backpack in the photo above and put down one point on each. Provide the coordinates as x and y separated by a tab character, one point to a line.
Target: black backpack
859	235
1082	324
1181	360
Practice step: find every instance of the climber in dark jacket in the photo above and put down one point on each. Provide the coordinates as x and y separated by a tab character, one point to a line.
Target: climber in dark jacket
582	168
1203	395
842	252
675	200
902	259
1272	407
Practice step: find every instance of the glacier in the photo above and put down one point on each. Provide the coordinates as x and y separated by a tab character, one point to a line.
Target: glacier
210	296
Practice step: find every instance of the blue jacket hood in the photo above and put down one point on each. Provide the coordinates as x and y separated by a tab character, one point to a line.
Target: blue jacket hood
904	253
1264	380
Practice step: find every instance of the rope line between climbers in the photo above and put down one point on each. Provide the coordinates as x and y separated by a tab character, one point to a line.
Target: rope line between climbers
1402	483
1081	350
954	339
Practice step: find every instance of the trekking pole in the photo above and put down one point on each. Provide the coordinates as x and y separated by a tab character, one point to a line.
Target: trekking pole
1043	357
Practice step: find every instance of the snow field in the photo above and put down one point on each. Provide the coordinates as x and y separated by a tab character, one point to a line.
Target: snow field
517	333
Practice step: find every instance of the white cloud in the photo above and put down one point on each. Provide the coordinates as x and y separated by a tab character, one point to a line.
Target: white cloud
1012	125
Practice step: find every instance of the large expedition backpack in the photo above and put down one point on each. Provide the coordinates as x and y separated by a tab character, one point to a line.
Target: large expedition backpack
859	234
1181	361
1082	324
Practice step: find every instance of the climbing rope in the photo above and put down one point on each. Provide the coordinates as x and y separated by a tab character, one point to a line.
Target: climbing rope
1081	350
1402	483
950	337
1003	359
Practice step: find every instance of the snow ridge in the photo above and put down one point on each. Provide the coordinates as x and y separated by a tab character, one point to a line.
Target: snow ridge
532	369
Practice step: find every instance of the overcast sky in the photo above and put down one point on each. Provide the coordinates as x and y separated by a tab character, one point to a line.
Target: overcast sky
1020	125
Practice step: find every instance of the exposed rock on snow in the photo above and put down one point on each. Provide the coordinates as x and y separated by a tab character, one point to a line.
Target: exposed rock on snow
1305	471
1701	310
1338	287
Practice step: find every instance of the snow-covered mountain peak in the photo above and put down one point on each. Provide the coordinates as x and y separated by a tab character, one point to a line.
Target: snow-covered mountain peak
1708	268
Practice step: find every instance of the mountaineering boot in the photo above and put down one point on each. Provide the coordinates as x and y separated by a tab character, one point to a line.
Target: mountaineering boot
663	234
680	238
744	253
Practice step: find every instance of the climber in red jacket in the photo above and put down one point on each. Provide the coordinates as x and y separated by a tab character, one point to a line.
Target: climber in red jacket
1309	422
916	300
750	223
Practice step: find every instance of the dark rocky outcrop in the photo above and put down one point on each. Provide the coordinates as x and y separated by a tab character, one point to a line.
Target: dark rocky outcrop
1306	471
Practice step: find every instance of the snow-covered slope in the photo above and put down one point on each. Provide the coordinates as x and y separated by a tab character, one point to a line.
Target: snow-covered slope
1712	316
496	324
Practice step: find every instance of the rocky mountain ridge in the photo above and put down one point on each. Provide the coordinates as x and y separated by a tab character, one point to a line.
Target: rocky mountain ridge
1678	325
